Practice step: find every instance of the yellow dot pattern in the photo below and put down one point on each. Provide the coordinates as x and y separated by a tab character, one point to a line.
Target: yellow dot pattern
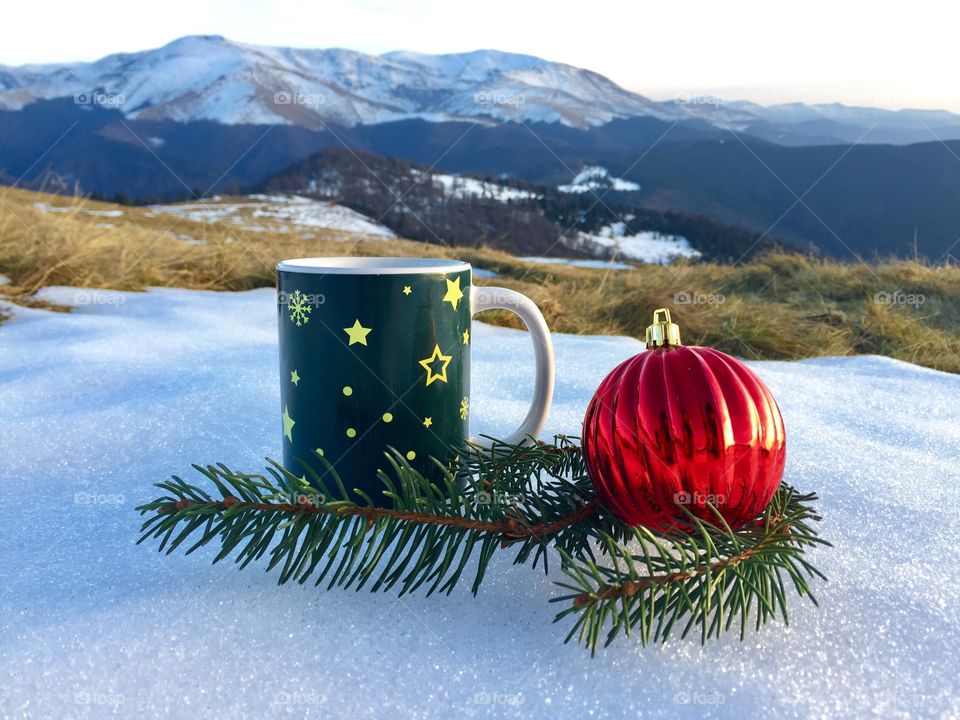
388	417
347	390
411	455
351	432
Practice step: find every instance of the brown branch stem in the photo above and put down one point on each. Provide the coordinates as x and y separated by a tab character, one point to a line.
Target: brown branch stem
632	587
510	528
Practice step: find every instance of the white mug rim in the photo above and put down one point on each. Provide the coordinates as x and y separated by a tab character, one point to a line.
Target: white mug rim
361	265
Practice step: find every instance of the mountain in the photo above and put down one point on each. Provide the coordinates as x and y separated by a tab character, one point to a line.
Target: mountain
205	114
211	78
831	124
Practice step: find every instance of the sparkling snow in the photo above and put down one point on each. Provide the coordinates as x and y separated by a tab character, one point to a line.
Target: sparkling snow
130	388
281	213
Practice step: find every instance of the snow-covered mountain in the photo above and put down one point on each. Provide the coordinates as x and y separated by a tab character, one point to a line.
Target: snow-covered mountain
212	78
208	77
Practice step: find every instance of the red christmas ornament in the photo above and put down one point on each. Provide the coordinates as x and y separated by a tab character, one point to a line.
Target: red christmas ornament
680	427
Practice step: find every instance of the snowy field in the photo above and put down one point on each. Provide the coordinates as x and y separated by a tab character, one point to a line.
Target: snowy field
646	246
277	213
461	187
130	388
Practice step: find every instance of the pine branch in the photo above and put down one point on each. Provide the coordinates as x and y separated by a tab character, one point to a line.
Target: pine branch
429	534
529	497
509	529
708	580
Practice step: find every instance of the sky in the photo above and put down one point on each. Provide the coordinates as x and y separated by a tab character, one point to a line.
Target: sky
859	53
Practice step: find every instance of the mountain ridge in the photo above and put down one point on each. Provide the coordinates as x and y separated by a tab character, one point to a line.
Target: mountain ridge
209	77
868	199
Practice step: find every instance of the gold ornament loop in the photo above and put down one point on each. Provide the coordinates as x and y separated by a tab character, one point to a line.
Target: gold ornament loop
663	332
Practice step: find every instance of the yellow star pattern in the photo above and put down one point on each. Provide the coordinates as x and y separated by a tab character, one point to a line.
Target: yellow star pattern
288	423
466	337
454	293
437	356
357	333
295	377
427	422
407	289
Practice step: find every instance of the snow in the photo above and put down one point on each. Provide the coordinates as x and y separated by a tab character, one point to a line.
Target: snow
279	212
129	388
47	207
648	246
597	177
603	264
456	186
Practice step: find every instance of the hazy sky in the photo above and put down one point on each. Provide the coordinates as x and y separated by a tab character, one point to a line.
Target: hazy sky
867	53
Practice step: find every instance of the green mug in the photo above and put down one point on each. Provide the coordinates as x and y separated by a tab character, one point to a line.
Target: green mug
375	354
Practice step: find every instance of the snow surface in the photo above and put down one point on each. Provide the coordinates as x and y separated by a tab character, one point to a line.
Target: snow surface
130	388
280	212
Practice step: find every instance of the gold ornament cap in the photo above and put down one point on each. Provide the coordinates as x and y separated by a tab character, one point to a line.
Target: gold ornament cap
663	332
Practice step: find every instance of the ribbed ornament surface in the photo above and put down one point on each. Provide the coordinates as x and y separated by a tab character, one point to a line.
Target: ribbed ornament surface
684	426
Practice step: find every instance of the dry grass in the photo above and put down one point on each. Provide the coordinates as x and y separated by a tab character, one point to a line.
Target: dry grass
779	306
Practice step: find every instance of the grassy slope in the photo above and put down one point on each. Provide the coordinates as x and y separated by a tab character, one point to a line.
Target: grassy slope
778	306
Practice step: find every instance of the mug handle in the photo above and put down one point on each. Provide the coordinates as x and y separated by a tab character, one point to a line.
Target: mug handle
490	298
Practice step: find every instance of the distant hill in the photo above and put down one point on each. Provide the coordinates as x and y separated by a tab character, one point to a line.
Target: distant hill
856	200
421	203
